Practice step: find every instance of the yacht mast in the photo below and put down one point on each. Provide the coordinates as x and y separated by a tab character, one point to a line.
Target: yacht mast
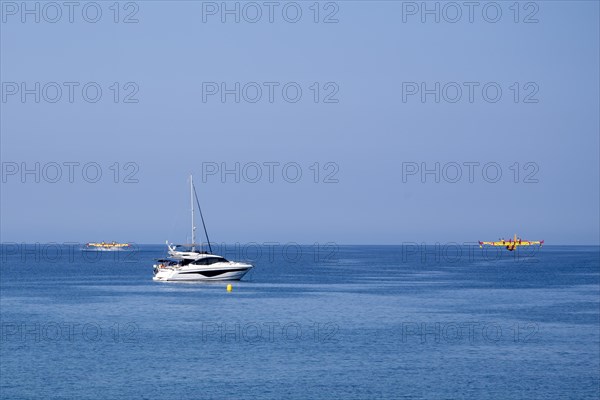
202	218
192	204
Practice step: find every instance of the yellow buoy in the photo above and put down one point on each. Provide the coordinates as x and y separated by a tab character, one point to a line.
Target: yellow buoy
229	288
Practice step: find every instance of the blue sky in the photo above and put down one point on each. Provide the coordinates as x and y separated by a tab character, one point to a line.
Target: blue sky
365	128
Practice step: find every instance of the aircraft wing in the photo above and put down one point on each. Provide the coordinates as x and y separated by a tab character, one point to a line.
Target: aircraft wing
508	243
530	243
494	243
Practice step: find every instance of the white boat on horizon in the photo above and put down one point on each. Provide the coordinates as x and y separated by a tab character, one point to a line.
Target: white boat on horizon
105	246
187	263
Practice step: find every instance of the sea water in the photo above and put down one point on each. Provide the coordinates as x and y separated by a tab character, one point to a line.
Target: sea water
317	321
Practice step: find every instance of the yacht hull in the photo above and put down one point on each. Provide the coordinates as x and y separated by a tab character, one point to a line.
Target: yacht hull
230	272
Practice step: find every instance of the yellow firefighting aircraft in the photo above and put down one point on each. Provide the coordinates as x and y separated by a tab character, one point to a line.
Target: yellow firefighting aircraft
512	244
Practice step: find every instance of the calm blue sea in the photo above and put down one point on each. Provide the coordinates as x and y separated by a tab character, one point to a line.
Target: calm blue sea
319	321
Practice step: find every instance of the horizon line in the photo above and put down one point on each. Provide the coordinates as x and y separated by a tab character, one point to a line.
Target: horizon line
270	243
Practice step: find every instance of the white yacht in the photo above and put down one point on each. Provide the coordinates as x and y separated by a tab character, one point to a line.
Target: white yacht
186	263
205	267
